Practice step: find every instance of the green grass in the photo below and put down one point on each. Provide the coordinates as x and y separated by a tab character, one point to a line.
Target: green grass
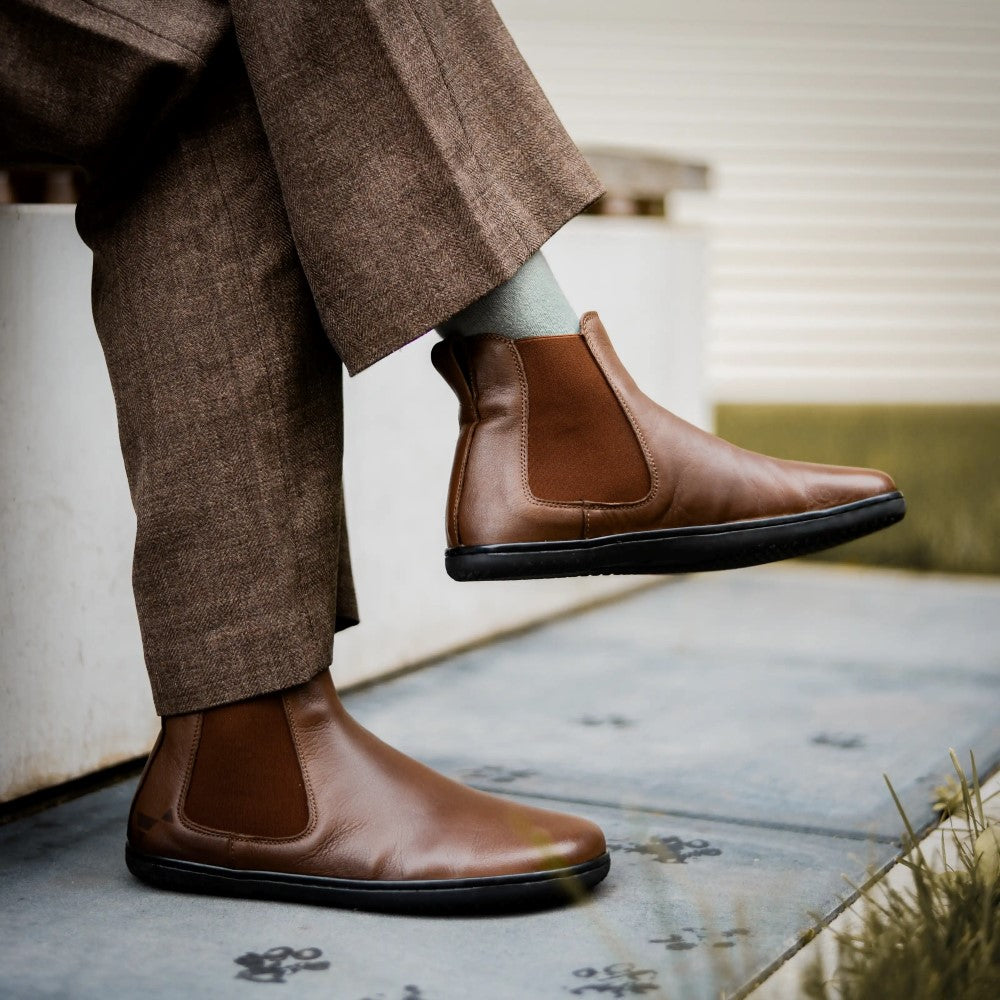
937	938
946	460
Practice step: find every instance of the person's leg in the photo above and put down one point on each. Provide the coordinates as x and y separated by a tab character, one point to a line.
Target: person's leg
228	399
228	393
229	405
237	464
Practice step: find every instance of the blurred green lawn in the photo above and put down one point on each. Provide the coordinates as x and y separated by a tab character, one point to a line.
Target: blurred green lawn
945	459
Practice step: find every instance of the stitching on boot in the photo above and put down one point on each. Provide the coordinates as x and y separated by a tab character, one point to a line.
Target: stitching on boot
474	396
654	475
182	815
523	442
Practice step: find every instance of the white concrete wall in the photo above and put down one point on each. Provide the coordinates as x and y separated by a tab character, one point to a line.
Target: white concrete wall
73	693
73	696
855	150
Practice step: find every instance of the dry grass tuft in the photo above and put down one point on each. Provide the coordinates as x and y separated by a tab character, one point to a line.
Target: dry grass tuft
937	937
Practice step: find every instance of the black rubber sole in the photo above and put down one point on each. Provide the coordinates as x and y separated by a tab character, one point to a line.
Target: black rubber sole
468	896
679	550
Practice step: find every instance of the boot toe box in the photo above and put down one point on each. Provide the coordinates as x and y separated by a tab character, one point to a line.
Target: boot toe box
544	840
831	486
521	840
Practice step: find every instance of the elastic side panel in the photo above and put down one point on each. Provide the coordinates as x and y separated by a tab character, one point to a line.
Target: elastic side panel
581	446
246	777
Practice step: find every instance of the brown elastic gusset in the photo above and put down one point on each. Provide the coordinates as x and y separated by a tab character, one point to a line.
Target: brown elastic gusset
246	778
581	446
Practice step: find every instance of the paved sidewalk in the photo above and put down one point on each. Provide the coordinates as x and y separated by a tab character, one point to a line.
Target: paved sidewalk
728	731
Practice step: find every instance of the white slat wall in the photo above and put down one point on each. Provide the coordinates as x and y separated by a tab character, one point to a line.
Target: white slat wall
855	144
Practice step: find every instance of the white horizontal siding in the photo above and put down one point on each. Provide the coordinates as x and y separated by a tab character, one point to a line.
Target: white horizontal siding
855	209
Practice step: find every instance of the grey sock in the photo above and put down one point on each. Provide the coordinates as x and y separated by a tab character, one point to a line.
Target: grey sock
531	304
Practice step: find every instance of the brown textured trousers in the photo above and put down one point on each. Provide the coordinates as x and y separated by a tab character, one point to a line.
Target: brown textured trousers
273	189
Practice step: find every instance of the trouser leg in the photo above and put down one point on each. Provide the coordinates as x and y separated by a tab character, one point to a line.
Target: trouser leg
228	392
229	402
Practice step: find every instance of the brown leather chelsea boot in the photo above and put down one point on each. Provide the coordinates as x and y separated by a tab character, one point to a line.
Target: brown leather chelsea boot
287	797
565	468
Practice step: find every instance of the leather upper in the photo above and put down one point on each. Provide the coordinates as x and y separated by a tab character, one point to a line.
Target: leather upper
365	811
691	477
